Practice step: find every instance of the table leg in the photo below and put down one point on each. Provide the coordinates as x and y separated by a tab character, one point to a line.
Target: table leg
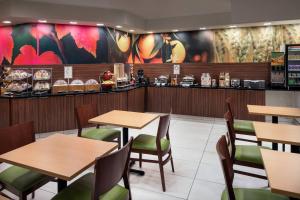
125	140
295	149
61	184
275	121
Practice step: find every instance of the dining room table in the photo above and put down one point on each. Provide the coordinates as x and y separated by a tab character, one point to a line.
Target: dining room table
278	133
283	172
275	112
60	156
126	120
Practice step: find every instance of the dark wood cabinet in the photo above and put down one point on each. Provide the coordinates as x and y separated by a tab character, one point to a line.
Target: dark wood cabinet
57	113
204	102
4	113
136	100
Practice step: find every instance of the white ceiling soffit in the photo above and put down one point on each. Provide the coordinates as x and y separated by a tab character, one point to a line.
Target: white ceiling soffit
151	15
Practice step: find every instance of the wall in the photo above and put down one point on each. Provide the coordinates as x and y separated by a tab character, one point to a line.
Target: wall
65	44
232	45
30	44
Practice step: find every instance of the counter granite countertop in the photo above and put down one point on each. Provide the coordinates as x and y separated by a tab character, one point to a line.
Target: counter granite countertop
31	95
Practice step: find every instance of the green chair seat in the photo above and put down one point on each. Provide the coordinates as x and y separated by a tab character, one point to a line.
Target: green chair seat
101	134
148	142
243	126
21	179
249	153
253	194
81	189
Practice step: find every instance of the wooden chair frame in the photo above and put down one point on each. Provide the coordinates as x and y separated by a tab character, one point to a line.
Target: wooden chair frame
231	145
163	131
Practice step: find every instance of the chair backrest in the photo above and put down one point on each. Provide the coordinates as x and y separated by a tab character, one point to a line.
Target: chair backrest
230	133
83	114
227	165
16	136
229	106
163	127
110	169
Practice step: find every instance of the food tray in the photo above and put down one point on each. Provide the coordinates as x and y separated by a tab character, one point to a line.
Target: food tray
94	87
59	89
76	88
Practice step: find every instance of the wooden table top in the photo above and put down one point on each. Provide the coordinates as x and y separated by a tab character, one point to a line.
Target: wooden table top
283	172
278	133
125	119
59	155
3	198
274	111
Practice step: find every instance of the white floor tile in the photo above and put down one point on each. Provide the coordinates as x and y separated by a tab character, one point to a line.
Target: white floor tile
176	186
206	190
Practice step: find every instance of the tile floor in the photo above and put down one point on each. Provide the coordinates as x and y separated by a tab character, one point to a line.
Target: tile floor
198	174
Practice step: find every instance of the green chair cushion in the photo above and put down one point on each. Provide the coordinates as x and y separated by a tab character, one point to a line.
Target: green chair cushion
253	194
243	126
21	179
249	153
81	189
148	142
101	134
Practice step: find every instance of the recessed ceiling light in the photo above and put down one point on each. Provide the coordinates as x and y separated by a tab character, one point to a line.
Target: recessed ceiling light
6	22
100	24
72	22
131	30
202	28
233	26
119	26
267	24
175	30
150	32
42	21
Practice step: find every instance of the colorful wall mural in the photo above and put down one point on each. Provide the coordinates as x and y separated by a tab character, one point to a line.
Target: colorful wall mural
31	44
235	45
71	44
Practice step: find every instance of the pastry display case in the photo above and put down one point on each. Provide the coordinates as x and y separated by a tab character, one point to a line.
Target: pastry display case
60	86
92	85
17	81
77	86
42	80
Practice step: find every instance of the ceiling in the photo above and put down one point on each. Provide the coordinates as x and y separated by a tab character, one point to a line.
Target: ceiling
154	9
152	15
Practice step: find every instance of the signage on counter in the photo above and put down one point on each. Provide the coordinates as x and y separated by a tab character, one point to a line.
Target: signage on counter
68	72
176	69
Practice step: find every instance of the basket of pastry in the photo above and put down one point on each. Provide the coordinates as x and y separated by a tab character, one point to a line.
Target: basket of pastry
76	86
41	86
92	85
17	75
18	86
60	86
42	74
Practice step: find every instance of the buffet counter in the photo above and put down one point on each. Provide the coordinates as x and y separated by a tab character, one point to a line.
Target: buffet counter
56	112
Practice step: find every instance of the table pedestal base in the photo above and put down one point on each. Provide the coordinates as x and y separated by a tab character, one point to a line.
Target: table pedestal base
125	140
61	184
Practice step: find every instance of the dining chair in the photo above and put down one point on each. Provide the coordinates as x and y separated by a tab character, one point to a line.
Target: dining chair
158	145
103	184
242	127
86	112
244	155
18	180
231	193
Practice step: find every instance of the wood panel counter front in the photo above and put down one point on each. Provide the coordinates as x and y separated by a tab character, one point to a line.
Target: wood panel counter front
57	113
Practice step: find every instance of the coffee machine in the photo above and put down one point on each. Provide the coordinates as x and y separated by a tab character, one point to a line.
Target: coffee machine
140	77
